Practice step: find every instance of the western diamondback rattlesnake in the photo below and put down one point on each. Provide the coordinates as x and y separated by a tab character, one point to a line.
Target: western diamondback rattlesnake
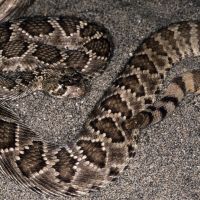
57	55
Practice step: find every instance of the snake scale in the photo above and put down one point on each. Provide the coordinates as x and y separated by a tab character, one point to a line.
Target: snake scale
58	55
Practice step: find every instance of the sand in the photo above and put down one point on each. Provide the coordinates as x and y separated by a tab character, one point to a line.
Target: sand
167	163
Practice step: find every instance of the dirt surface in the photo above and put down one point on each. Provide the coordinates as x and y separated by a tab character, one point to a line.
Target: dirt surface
167	163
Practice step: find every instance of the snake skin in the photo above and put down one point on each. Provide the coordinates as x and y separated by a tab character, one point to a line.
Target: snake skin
55	55
10	8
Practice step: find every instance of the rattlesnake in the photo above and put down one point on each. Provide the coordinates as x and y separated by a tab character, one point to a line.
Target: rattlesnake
58	55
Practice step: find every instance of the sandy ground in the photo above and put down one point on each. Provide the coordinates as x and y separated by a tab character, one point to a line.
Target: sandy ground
167	164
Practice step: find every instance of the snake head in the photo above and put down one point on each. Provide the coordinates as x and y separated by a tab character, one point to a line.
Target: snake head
68	83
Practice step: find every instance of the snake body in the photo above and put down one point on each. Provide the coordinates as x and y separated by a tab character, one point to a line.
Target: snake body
57	55
10	8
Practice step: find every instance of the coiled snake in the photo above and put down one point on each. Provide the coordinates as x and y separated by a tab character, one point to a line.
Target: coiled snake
58	55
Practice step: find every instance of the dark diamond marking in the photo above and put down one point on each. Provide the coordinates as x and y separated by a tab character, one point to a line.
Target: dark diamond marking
131	82
108	127
99	46
116	105
94	152
5	33
7	134
168	35
151	43
143	62
65	165
69	24
15	48
37	26
32	160
76	59
48	54
150	83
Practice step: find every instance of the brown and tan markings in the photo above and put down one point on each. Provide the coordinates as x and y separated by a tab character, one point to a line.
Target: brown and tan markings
57	56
